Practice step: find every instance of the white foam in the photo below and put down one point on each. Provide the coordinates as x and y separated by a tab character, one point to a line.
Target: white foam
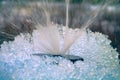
100	60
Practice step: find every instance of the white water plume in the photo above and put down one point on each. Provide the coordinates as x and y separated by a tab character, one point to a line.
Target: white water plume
56	39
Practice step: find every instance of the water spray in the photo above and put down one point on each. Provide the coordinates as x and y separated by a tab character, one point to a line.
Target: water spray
67	13
81	59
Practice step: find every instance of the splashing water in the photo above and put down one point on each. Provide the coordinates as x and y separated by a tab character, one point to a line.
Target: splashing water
17	61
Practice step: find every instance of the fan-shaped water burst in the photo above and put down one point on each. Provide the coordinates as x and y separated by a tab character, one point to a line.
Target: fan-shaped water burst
48	52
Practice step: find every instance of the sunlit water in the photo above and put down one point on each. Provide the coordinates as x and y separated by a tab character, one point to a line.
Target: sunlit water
18	63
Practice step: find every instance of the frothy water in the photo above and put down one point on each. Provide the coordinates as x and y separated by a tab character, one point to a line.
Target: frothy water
19	62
